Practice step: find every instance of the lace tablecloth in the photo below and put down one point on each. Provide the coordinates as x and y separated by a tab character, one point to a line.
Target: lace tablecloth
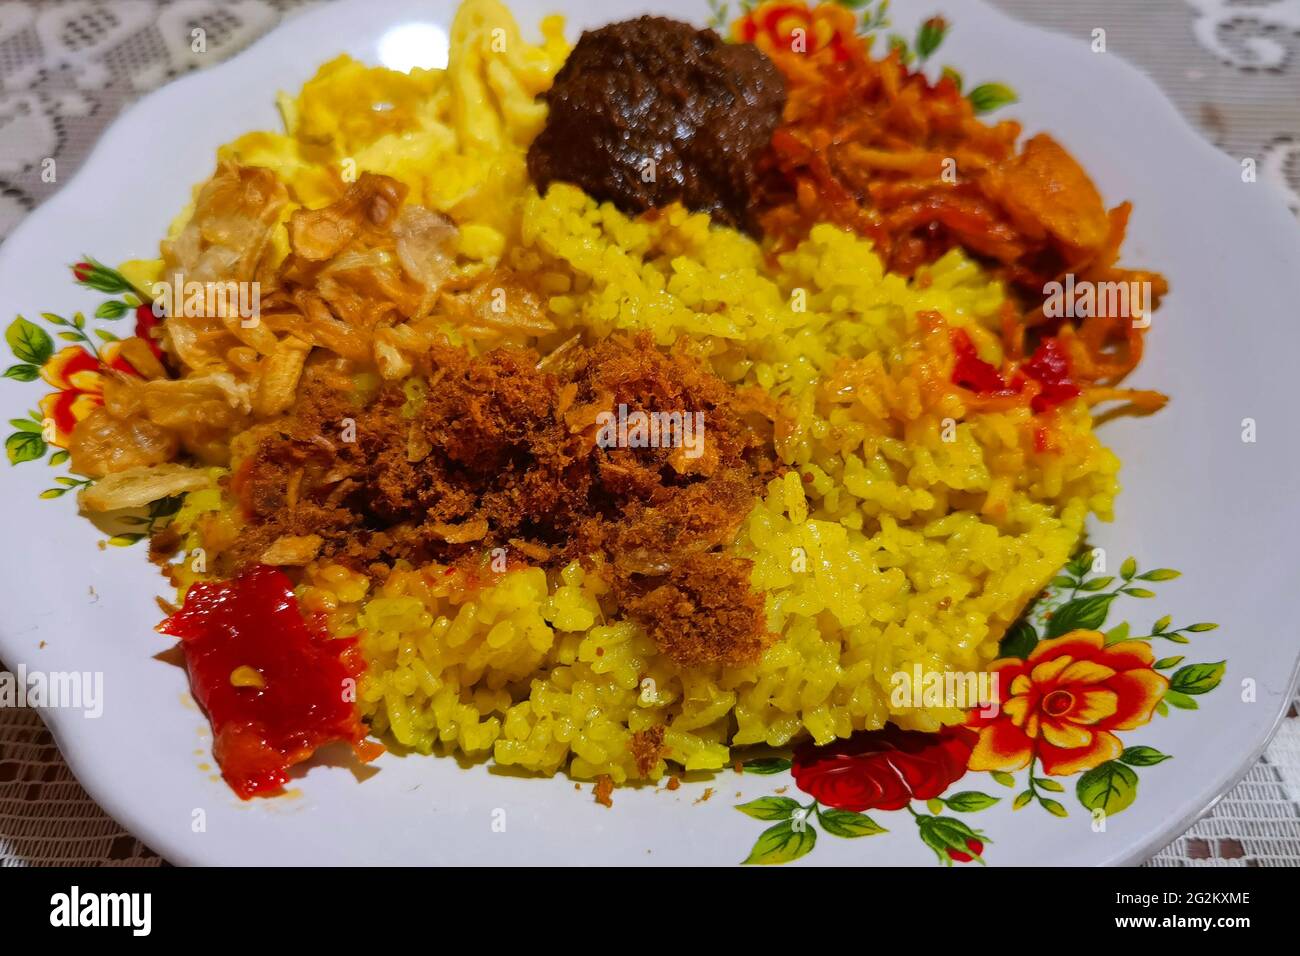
67	68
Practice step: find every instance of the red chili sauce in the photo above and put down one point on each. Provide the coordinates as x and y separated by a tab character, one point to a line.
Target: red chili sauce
275	686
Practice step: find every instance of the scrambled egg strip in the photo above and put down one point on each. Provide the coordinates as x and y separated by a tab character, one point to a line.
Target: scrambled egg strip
455	137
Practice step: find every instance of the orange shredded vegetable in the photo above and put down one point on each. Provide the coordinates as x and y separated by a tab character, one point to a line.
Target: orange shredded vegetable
880	149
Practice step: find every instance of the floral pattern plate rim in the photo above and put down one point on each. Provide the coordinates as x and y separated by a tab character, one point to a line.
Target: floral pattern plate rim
1197	496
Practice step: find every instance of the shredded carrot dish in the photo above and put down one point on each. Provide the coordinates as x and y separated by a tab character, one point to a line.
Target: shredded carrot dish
874	146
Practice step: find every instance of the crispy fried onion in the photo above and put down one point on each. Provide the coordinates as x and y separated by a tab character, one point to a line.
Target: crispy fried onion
227	239
361	281
292	550
141	485
367	259
149	422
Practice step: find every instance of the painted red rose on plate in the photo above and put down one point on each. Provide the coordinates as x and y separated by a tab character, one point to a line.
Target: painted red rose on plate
883	769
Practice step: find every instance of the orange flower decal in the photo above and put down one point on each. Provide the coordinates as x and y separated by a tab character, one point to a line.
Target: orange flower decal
78	377
779	28
1062	704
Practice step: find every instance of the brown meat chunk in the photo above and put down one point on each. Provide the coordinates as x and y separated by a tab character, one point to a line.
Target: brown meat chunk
651	111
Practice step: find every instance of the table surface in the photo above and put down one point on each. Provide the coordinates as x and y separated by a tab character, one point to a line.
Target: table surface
67	67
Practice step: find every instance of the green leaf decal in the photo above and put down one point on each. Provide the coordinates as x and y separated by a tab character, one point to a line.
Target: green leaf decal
100	277
1117	633
22	373
769	808
783	843
948	835
1110	787
1087	613
165	507
1138	592
1181	701
767	765
991	96
1128	569
1080	564
29	342
112	309
1053	807
846	823
1019	641
968	801
1167	662
930	35
1096	584
1197	678
24	446
1143	756
1160	574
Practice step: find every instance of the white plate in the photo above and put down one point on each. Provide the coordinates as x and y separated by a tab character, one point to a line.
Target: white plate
1196	496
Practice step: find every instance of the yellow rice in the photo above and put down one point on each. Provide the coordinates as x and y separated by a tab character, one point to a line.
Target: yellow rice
909	531
902	549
